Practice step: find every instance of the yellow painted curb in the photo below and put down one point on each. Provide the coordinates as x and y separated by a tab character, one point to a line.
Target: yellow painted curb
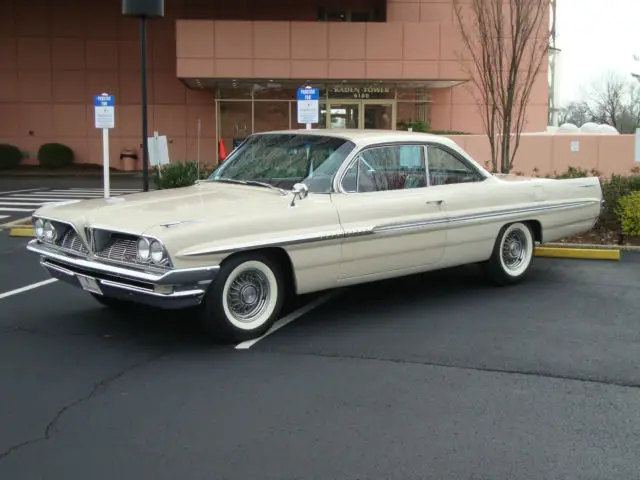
22	232
582	253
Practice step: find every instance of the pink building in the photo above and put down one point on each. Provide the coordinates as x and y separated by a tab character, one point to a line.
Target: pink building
235	66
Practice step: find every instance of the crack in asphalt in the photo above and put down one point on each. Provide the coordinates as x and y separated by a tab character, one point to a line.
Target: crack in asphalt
49	429
530	373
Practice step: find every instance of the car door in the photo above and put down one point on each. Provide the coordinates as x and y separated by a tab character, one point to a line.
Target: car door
473	204
393	222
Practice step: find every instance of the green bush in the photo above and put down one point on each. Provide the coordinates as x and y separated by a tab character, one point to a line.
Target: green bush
416	126
179	174
10	156
628	210
55	155
576	172
613	190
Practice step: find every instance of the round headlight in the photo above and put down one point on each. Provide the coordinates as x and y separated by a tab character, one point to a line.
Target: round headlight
143	249
157	251
49	231
38	227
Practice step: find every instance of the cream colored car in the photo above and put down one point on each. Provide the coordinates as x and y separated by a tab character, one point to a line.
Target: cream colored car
293	212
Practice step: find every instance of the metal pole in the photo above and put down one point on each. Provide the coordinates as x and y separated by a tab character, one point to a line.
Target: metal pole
198	151
145	144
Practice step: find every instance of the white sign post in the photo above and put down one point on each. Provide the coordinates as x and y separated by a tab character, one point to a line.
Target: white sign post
158	151
308	106
104	107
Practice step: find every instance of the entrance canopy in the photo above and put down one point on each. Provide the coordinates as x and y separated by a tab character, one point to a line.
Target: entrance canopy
245	106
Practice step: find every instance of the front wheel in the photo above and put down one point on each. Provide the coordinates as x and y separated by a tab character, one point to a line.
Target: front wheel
245	299
512	254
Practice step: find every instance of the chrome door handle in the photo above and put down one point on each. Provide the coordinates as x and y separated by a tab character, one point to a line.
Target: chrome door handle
435	202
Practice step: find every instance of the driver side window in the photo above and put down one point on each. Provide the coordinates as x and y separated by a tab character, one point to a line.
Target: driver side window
445	168
392	167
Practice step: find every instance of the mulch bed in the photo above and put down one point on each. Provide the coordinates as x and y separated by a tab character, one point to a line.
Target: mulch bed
601	236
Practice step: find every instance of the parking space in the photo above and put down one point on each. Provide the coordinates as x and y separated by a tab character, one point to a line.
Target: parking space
432	376
21	203
571	318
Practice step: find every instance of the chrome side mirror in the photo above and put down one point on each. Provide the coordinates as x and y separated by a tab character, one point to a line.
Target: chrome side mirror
301	191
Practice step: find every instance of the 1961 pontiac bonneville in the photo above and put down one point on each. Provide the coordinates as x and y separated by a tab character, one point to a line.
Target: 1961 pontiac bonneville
293	212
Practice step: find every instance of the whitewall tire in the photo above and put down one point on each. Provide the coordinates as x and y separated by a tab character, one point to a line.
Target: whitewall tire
512	254
245	298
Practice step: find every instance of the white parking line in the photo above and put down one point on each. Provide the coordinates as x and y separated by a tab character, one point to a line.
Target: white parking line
27	288
20	204
41	199
16	209
18	191
57	194
95	190
288	319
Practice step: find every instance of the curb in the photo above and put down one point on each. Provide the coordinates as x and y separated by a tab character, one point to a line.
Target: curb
592	253
591	246
24	222
22	232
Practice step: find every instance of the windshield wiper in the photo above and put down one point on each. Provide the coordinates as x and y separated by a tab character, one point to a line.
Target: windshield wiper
264	184
229	180
252	183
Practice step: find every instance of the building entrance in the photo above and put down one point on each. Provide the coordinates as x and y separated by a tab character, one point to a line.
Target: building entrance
360	114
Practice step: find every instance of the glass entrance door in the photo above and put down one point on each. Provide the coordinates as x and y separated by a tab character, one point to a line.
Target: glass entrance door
344	115
362	114
378	116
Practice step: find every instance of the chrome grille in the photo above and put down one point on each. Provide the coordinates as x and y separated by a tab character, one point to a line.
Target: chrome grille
71	241
120	248
123	249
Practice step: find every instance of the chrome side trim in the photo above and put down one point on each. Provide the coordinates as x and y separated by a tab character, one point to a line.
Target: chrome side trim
174	277
455	221
520	211
283	241
408	226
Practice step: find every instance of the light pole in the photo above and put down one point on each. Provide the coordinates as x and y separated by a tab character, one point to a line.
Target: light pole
635	73
144	9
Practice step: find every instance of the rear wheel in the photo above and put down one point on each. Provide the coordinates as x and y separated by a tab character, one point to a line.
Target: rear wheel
512	254
245	299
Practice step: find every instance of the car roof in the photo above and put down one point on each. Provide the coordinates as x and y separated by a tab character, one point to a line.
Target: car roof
368	136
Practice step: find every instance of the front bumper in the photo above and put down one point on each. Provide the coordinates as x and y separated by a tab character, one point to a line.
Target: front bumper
173	289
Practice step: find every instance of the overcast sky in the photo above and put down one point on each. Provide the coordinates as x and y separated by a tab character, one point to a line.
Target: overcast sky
595	35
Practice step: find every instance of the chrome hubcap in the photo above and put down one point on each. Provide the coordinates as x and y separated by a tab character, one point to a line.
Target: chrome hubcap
248	295
514	249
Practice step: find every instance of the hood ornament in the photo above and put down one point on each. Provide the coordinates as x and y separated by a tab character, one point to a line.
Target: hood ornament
181	222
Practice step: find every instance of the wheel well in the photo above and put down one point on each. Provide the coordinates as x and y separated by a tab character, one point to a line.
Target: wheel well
281	257
536	226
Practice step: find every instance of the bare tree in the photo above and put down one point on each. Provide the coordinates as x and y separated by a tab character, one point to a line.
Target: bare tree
614	100
507	41
577	113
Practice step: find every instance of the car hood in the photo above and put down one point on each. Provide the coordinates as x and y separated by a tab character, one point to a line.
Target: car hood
139	212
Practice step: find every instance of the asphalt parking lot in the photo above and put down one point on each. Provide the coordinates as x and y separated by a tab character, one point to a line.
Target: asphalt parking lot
437	376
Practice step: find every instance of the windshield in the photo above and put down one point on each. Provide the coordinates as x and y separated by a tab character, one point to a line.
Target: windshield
282	160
